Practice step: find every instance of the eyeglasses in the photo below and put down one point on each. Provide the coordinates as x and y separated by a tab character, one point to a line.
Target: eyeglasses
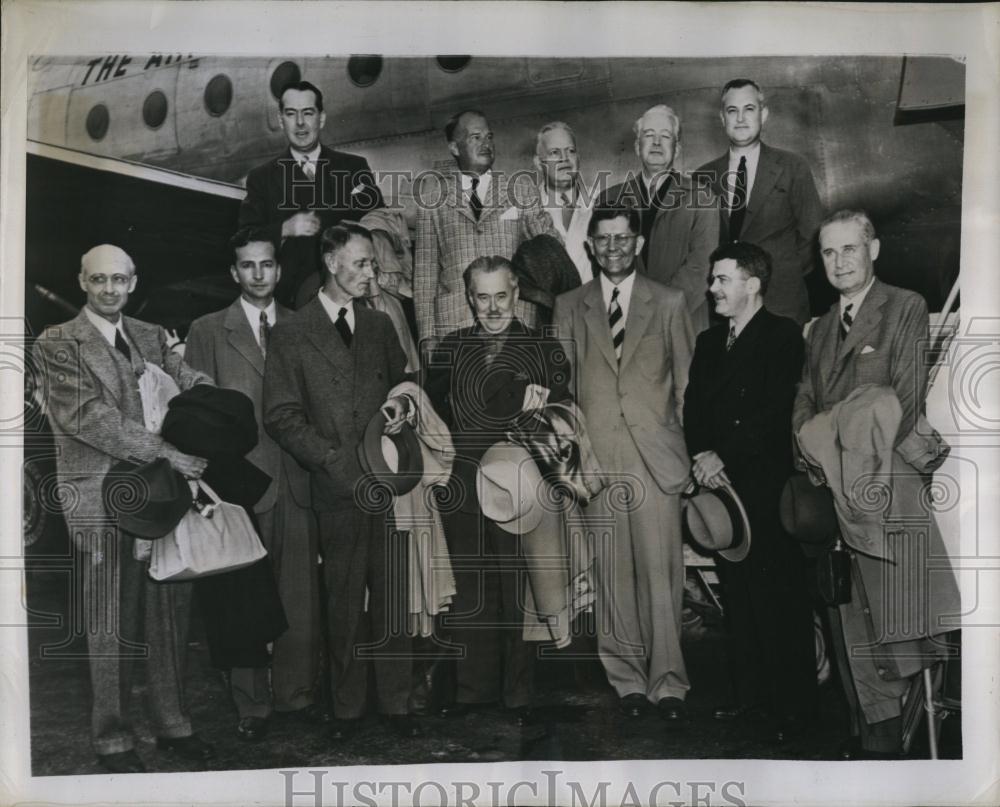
605	241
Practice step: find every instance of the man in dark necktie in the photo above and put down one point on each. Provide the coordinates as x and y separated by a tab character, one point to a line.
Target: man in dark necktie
308	188
679	230
472	212
738	428
231	346
768	198
329	370
92	368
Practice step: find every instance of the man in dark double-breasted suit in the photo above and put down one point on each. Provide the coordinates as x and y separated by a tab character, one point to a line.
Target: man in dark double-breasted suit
304	190
738	427
768	197
480	379
231	345
329	370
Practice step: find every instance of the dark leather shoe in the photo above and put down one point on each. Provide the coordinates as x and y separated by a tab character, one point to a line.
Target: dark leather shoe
672	710
522	715
405	726
191	747
121	762
342	730
314	715
729	712
455	710
251	728
633	705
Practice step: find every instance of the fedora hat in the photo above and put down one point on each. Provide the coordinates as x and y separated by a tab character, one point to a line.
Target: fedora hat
807	512
393	459
149	498
715	520
507	483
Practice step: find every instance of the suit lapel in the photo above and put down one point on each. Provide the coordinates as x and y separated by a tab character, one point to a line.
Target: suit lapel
866	320
366	358
95	352
456	198
640	311
241	338
493	203
742	352
768	172
596	317
326	339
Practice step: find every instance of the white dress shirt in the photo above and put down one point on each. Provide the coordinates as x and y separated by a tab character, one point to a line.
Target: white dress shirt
333	309
253	316
481	190
855	301
575	236
107	329
624	294
753	157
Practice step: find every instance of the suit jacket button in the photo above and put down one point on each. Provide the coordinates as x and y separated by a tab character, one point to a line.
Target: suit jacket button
736	422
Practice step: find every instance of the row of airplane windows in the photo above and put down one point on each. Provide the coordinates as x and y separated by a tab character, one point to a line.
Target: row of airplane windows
363	71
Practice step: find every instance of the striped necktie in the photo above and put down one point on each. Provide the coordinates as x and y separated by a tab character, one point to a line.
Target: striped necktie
617	322
732	335
475	203
846	320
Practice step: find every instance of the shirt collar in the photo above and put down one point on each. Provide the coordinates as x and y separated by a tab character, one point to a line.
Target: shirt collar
750	152
311	156
106	329
484	182
624	289
856	300
550	198
333	309
253	313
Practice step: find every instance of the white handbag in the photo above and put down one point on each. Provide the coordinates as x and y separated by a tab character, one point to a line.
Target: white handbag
219	538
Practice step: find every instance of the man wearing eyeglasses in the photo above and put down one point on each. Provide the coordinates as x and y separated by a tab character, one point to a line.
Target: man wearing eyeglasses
679	225
304	190
91	368
629	341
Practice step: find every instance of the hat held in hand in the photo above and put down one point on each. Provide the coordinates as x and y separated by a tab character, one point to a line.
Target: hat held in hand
714	520
149	499
507	483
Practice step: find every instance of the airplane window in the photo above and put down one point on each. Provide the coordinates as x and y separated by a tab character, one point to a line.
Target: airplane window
452	64
284	74
97	121
364	70
218	94
154	109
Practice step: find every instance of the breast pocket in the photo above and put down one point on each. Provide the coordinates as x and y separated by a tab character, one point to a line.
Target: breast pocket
649	356
870	368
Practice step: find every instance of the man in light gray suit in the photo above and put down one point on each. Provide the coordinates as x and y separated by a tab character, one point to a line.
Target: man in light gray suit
231	345
91	367
630	341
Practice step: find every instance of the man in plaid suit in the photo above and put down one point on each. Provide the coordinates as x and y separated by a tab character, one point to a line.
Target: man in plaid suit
472	212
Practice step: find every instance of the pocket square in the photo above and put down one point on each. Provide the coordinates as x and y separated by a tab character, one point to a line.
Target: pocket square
510	214
867	349
357	188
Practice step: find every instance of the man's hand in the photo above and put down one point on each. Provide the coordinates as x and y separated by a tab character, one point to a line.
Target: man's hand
535	397
304	223
396	411
708	470
190	466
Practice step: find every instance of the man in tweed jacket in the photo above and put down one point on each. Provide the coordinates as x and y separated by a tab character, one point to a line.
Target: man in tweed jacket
471	213
90	368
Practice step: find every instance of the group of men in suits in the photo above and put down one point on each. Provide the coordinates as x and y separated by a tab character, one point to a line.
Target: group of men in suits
661	407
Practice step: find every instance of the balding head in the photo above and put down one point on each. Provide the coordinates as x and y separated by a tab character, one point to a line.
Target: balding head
107	275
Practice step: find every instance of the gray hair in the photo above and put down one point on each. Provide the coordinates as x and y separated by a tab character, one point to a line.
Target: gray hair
856	215
636	127
551	127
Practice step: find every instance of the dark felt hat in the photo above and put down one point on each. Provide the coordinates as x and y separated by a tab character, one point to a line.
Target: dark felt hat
209	421
544	270
149	499
715	520
376	450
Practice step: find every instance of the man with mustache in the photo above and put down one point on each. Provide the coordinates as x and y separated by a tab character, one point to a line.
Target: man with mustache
92	367
472	212
329	370
768	198
737	424
304	190
679	229
481	380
